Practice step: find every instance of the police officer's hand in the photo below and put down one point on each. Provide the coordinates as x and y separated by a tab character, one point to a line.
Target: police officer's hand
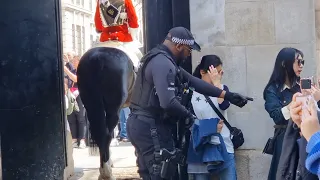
190	120
237	99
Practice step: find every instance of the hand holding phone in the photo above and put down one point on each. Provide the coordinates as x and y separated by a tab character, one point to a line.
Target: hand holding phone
305	100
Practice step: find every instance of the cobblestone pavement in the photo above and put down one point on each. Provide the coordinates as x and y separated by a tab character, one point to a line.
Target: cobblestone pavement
124	162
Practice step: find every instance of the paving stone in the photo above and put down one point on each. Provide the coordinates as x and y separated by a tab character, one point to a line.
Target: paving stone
124	162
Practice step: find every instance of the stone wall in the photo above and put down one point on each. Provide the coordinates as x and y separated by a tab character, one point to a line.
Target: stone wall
317	19
247	35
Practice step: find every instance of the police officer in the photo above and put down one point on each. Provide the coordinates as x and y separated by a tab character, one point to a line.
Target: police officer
155	97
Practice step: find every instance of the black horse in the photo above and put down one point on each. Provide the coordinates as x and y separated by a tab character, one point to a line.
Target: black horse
105	78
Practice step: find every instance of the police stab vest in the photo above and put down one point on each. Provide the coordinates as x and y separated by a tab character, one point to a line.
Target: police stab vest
144	97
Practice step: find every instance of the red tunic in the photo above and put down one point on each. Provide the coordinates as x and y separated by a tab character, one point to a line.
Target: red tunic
120	32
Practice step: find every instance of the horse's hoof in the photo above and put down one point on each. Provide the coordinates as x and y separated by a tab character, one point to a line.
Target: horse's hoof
110	162
106	172
100	178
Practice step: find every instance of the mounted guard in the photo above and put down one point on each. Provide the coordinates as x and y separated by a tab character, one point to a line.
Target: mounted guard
106	73
117	22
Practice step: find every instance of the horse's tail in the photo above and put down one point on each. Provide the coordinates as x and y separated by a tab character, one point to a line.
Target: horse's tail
93	147
97	123
93	99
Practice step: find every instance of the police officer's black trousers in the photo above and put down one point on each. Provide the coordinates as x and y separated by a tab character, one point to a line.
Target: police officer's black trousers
140	136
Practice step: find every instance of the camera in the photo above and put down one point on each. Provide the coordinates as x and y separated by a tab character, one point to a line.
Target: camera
306	83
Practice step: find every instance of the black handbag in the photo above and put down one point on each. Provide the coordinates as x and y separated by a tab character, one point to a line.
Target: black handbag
269	147
236	134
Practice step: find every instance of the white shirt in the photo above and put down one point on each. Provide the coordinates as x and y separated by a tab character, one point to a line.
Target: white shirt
285	110
203	110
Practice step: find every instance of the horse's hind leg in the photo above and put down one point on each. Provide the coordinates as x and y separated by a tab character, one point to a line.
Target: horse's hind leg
99	129
106	171
92	94
114	97
112	106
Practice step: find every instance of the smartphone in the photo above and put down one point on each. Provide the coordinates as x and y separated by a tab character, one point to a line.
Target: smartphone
304	99
305	102
306	83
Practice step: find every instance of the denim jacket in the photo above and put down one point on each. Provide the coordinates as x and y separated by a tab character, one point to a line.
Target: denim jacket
275	99
207	146
293	155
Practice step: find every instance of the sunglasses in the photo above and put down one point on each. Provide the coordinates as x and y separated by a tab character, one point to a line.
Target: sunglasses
300	62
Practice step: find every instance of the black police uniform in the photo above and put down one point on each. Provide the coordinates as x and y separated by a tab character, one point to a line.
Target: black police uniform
154	95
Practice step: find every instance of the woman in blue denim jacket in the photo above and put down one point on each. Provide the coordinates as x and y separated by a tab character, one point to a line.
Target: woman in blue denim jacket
278	94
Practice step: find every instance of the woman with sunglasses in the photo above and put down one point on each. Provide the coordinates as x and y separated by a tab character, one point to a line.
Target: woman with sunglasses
283	84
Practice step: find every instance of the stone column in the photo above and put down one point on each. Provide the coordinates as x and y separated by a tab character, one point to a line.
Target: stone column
31	98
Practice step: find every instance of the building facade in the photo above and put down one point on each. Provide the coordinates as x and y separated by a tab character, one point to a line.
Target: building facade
78	30
247	35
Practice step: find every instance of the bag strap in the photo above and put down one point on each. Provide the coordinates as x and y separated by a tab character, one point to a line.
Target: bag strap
218	113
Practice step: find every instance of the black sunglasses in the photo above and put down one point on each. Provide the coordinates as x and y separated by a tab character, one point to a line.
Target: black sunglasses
300	62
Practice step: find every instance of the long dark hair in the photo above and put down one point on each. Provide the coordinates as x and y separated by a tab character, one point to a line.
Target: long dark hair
206	62
283	67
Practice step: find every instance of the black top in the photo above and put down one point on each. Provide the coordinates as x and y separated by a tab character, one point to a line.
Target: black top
72	70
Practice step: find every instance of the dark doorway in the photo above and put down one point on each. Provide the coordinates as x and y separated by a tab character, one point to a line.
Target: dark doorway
181	17
160	17
31	91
